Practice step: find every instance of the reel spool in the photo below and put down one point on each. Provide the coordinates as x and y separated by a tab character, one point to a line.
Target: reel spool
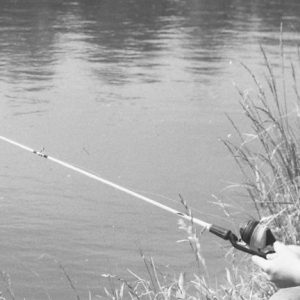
257	236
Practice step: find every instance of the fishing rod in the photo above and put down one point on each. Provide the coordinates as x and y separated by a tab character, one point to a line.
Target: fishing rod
256	239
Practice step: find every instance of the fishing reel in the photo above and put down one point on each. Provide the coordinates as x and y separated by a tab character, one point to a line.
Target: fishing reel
255	238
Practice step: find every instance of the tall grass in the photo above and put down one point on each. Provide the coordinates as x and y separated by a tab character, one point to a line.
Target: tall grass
268	157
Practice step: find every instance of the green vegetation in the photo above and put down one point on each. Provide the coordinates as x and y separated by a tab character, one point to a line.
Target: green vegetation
269	160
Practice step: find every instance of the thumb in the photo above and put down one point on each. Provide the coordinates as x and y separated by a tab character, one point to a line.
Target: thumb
261	262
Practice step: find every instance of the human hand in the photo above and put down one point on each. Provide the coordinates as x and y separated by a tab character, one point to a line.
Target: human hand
283	266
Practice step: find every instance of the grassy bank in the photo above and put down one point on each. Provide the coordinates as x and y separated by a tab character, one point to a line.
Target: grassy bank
268	157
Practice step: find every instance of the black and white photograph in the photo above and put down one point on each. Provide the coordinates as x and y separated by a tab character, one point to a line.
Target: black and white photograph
150	149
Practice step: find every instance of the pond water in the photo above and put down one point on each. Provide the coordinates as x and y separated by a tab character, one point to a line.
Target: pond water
135	91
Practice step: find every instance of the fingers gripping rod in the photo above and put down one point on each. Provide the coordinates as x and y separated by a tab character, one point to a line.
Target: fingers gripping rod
109	183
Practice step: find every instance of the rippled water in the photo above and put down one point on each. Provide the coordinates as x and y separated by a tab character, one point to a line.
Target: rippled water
135	91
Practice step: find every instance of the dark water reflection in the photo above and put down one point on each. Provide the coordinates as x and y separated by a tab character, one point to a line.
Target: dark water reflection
114	36
136	90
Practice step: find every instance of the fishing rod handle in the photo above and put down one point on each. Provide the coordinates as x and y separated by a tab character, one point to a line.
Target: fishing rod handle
220	231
